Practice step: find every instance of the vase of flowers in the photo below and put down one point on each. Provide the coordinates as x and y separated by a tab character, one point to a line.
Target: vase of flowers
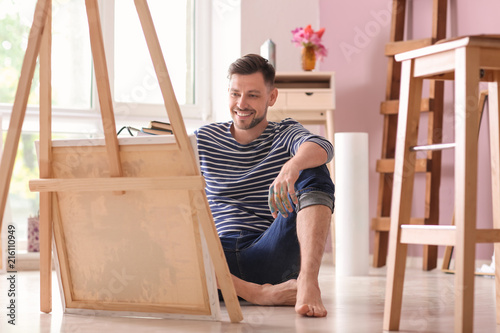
308	58
312	48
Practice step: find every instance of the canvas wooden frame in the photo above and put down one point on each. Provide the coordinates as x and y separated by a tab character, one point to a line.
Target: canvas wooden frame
106	200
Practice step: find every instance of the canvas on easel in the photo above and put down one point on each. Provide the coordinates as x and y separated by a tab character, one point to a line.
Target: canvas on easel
141	253
133	231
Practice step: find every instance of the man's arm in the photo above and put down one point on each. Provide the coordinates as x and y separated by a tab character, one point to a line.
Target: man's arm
309	155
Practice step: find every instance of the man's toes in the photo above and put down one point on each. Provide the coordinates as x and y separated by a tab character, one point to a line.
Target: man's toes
310	311
319	312
305	310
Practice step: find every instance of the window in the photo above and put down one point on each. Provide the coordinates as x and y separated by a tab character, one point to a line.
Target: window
135	79
183	29
70	51
181	25
22	202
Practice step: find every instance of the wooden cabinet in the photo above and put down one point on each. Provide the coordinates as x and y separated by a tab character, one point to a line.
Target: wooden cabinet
308	97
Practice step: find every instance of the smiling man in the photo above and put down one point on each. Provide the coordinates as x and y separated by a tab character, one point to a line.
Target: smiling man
270	193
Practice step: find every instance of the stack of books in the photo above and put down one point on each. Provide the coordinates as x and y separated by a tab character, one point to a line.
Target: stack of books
158	128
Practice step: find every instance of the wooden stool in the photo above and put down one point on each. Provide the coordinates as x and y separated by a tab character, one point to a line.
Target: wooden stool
467	60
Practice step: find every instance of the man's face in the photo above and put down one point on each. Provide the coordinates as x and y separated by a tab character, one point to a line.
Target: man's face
249	98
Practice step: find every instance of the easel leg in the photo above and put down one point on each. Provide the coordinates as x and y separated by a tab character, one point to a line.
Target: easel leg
45	167
103	89
218	258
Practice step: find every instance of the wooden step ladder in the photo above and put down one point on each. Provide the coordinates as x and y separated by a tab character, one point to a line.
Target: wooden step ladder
433	106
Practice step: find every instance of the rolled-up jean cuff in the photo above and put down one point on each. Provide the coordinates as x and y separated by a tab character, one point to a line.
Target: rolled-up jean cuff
311	198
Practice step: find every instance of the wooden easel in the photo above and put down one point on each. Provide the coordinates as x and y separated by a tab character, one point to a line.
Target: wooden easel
112	182
431	165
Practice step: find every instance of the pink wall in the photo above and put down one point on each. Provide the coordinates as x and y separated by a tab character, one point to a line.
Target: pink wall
356	33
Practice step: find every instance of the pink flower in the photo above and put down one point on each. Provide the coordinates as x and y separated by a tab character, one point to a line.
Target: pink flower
307	37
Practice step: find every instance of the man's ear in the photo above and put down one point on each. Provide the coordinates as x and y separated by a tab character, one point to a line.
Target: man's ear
273	97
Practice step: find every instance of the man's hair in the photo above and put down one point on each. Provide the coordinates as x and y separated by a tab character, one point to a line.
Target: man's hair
253	63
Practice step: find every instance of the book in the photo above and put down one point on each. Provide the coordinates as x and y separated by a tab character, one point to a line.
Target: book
156	131
154	124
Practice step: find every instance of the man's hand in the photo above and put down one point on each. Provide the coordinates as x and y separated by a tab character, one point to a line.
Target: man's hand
283	187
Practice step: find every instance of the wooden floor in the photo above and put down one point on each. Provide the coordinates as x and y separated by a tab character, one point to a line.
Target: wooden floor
354	305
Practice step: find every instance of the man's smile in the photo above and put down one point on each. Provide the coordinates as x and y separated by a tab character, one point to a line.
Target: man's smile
243	114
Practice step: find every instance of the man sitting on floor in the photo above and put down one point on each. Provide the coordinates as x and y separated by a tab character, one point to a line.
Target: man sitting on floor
270	193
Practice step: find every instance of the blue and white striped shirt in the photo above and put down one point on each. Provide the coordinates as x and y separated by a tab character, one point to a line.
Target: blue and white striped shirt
238	176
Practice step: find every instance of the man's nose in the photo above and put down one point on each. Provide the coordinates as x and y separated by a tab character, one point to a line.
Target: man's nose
242	102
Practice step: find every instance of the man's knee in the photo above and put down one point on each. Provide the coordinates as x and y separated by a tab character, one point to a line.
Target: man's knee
315	187
311	198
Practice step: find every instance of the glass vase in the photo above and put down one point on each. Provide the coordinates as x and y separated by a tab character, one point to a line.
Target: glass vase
308	58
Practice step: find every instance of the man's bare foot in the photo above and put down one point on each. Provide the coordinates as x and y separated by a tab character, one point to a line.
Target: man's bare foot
279	294
309	301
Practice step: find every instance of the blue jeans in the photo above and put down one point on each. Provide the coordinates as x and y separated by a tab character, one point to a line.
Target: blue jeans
273	256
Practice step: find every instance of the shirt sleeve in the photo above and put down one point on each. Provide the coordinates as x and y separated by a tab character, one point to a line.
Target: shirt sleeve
299	134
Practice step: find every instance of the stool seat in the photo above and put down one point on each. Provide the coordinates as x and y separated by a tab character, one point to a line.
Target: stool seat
468	61
484	41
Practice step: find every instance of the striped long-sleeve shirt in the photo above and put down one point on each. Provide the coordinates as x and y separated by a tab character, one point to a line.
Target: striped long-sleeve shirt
238	176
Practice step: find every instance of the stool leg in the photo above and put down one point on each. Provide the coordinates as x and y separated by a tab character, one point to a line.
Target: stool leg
466	130
494	121
433	179
404	172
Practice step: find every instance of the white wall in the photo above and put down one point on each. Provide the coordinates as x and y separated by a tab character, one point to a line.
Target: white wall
275	19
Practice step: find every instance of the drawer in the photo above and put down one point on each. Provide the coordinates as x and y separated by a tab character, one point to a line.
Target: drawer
309	100
302	116
304	100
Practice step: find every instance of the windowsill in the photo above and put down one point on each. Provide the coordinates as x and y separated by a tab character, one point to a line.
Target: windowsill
89	123
27	261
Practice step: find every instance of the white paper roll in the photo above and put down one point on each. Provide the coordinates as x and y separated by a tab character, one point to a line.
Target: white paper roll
351	204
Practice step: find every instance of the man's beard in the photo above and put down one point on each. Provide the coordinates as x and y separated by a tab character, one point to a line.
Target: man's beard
254	122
